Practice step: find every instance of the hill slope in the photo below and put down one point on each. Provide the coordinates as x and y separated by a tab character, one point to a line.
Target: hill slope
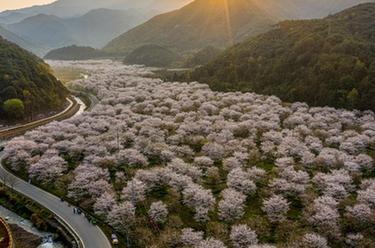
24	76
152	55
74	53
201	23
323	62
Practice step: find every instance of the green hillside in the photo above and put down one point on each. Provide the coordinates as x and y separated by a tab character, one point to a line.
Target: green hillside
152	55
329	61
25	77
203	56
201	23
74	53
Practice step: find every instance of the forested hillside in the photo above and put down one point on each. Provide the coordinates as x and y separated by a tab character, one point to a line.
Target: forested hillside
74	53
152	55
26	85
322	62
201	23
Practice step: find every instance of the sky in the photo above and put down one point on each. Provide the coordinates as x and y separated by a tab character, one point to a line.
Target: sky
16	4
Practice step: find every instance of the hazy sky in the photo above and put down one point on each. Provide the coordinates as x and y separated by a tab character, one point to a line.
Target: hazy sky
16	4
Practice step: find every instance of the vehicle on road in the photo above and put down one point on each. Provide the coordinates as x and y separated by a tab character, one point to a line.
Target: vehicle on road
114	239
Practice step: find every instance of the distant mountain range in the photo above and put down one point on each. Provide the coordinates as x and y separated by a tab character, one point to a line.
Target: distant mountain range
330	61
12	37
79	22
74	8
220	23
92	29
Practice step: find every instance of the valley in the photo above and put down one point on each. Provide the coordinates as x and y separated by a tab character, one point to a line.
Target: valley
196	149
190	123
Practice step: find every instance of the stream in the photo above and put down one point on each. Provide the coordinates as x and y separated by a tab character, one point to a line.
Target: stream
13	218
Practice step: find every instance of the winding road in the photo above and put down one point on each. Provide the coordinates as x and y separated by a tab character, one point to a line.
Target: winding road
90	236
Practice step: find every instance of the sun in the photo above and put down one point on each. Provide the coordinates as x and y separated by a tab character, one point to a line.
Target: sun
228	21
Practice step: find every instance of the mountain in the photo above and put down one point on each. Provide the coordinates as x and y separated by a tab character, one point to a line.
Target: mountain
330	61
221	23
74	53
99	26
201	23
94	29
306	9
43	30
6	34
203	56
152	55
74	8
25	77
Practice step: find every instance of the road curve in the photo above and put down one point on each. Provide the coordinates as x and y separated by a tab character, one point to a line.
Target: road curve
91	236
21	129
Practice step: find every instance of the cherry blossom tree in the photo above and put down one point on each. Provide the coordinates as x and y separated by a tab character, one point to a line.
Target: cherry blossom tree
189	237
104	204
211	243
313	240
242	236
202	200
135	191
121	216
231	207
48	168
158	212
276	208
240	180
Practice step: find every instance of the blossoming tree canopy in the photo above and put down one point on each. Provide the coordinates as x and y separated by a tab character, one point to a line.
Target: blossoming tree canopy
177	163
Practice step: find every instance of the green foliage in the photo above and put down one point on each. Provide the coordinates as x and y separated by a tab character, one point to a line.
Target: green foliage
322	62
14	108
152	55
197	25
25	77
203	56
75	53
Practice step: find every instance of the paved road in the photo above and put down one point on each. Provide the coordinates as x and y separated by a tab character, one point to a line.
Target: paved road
21	129
91	236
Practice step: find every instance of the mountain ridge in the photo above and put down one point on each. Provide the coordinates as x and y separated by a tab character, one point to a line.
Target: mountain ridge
329	61
95	28
204	23
196	26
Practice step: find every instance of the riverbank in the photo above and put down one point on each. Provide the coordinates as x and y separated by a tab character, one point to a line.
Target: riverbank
22	238
30	222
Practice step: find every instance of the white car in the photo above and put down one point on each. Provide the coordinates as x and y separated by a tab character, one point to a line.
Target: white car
114	239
